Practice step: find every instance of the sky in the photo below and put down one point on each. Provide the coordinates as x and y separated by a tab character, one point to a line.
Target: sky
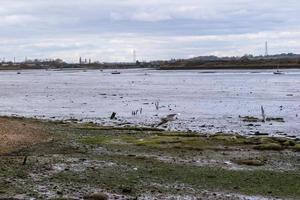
110	30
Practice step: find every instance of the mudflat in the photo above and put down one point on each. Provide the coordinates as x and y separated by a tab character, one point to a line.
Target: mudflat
207	102
68	160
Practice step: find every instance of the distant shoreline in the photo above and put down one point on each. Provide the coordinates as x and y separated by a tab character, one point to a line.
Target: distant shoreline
279	61
162	68
228	67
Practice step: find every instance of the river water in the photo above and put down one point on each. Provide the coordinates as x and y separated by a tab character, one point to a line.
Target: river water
208	101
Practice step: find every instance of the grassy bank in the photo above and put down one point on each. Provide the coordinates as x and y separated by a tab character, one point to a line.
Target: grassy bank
134	162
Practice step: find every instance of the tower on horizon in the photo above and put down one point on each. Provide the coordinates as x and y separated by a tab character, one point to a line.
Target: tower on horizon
134	56
266	49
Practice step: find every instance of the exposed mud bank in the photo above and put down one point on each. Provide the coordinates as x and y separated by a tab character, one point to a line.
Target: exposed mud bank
131	163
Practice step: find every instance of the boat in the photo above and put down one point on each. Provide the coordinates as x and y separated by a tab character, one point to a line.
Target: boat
116	72
278	72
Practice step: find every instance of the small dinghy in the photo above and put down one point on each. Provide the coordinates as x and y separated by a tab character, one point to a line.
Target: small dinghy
278	72
116	72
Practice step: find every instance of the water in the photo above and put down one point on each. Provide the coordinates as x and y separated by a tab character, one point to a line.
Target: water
207	102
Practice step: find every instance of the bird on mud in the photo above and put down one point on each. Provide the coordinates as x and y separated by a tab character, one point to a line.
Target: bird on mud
168	118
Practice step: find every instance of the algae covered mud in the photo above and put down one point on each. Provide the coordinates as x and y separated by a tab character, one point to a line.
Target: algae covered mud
88	161
209	101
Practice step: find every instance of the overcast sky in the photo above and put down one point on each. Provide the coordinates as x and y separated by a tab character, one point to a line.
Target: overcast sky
109	30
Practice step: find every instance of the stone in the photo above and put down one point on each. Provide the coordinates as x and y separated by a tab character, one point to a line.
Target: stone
96	196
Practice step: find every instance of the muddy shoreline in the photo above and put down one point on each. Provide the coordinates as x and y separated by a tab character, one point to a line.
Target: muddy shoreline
207	102
85	159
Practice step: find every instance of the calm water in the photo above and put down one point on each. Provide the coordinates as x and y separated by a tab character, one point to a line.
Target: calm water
215	100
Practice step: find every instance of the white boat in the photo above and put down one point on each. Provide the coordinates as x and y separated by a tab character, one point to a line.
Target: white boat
278	72
116	72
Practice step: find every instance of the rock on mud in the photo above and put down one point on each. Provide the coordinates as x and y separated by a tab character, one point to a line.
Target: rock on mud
96	196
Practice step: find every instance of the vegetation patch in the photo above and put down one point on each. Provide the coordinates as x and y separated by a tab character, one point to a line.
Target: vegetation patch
250	119
297	147
93	126
123	180
250	162
191	141
131	162
99	139
269	146
277	119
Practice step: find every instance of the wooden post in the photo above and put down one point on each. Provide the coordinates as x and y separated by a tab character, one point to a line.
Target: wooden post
24	161
263	114
113	116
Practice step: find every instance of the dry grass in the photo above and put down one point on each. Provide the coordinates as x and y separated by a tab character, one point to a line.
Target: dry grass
15	135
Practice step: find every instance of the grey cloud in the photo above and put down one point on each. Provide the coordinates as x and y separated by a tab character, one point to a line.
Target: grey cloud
109	30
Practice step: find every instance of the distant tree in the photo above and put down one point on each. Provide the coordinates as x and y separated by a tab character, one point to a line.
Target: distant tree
245	59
